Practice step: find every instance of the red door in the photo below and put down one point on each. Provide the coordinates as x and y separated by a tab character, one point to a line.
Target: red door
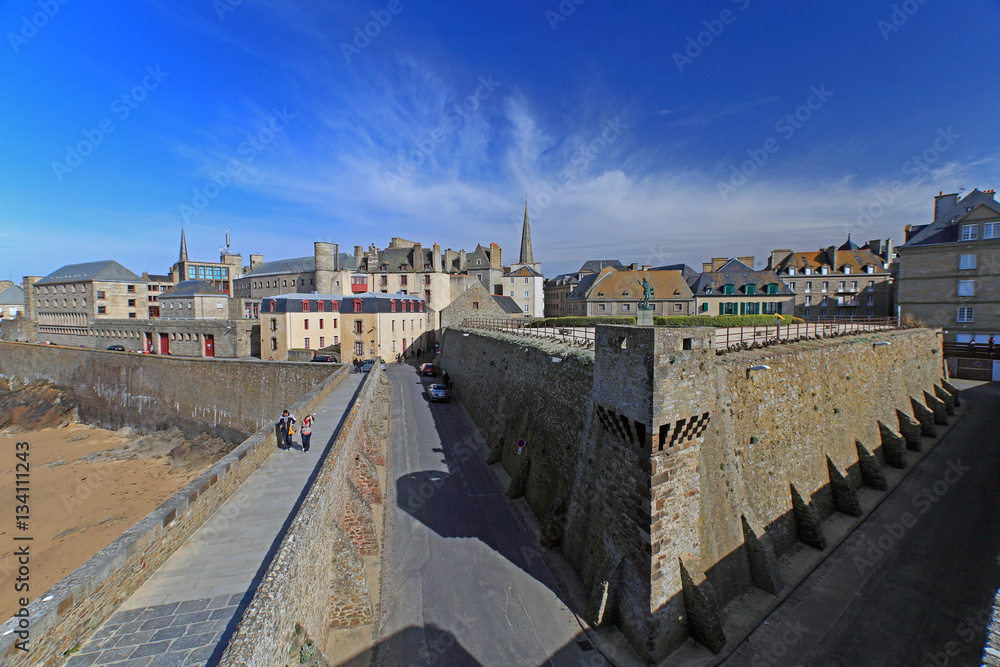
209	345
164	344
149	342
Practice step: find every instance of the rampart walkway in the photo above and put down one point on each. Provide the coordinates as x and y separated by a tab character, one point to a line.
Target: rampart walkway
186	611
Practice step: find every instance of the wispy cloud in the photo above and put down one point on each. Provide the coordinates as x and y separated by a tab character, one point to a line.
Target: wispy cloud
708	115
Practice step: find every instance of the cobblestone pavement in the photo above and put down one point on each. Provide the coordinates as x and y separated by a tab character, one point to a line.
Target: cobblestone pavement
187	610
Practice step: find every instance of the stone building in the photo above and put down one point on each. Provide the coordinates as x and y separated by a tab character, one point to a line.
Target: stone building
732	287
194	299
616	292
477	302
221	274
67	300
523	282
556	290
844	282
360	326
11	302
949	269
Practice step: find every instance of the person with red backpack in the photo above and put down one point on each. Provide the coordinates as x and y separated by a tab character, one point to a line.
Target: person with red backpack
306	431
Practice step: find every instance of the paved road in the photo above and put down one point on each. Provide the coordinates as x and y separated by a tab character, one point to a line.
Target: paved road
463	584
186	611
914	584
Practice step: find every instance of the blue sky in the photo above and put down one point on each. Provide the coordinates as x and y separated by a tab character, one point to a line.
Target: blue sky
652	133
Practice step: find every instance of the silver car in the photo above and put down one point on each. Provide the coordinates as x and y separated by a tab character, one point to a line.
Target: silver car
438	392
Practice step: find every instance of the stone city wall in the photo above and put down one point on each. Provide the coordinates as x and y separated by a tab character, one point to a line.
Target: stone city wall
316	581
79	604
225	398
672	477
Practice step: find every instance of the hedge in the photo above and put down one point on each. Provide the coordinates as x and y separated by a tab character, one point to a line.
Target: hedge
725	320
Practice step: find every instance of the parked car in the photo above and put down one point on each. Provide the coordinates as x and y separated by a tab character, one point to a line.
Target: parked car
367	365
324	358
428	370
381	363
117	348
438	392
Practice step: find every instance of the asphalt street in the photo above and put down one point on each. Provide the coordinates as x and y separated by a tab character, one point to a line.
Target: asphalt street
915	583
463	583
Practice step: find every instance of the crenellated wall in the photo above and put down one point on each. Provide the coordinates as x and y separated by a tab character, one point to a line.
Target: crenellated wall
668	475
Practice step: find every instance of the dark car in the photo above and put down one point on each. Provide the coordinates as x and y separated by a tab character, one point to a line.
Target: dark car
438	392
324	358
117	348
428	370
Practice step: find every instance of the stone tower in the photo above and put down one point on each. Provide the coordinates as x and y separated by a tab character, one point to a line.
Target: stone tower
184	248
526	256
325	255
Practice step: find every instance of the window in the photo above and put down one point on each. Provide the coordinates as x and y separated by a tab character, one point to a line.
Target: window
512	293
791	270
274	324
625	306
970	233
100	292
305	324
393	327
359	348
964	262
525	281
791	286
131	288
357	305
336	340
284	283
131	303
869	269
809	286
869	312
847	269
991	230
306	345
358	326
871	300
475	305
101	310
871	285
822	313
727	289
600	306
809	300
772	288
305	306
808	271
273	305
131	315
854	285
964	314
427	280
966	287
274	344
404	325
826	285
321	323
806	314
427	297
525	294
384	280
678	306
749	289
840	288
824	270
525	308
402	280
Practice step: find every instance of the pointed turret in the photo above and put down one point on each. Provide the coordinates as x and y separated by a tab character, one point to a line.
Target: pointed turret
184	247
526	255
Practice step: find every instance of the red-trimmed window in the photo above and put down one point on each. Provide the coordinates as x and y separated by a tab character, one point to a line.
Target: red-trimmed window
357	305
305	306
274	306
305	324
321	323
421	306
320	306
335	306
392	305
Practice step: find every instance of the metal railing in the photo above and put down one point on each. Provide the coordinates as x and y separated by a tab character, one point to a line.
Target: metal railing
736	338
583	336
972	350
726	338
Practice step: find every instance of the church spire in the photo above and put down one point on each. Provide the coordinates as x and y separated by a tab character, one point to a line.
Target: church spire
526	256
184	247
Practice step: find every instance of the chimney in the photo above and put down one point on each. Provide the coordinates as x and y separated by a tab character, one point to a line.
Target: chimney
875	246
336	254
942	202
777	257
990	193
449	260
28	285
462	266
418	257
634	266
707	267
889	250
359	254
436	259
256	260
496	255
831	256
719	262
746	260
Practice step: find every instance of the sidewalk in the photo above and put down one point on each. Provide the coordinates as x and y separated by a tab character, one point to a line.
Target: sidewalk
186	611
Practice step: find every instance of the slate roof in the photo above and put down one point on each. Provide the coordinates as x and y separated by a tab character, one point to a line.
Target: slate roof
295	265
850	245
12	296
595	265
942	229
107	270
523	272
612	284
371	302
685	270
508	304
856	259
579	291
738	274
188	288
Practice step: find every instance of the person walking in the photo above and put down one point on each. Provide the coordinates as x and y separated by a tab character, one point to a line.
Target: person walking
306	431
286	427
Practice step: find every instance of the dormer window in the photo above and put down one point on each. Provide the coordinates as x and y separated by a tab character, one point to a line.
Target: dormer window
600	294
970	232
824	270
847	269
791	270
305	306
274	306
728	289
385	267
869	269
625	293
708	289
772	288
749	289
357	305
808	271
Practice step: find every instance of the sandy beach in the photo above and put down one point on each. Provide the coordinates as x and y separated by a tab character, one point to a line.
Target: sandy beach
77	508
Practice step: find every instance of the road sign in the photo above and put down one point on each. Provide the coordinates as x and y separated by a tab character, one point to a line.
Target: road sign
521	444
